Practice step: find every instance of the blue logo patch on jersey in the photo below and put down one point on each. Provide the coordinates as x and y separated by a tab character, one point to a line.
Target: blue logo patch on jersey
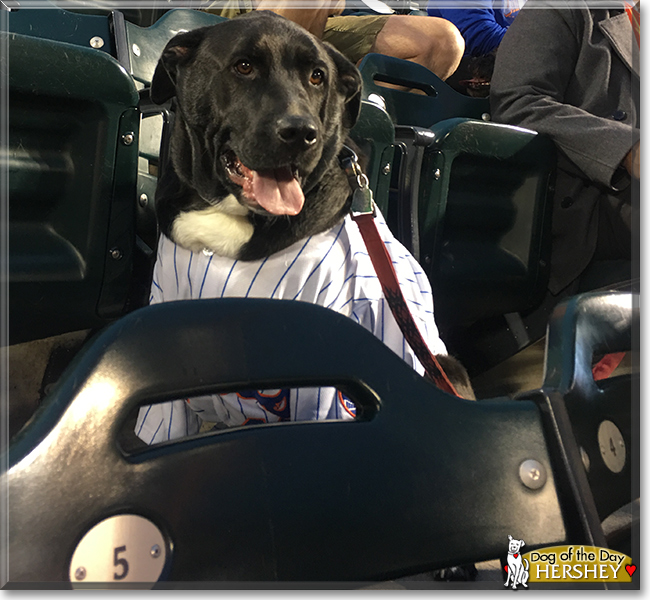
347	404
275	402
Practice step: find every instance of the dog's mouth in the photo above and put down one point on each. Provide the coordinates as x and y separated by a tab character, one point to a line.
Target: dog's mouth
277	191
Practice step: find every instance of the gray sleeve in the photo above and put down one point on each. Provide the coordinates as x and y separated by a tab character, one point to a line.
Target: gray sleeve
534	66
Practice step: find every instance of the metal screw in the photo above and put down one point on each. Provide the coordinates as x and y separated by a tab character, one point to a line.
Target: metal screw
585	458
427	259
155	551
116	253
485	116
128	138
436	174
532	474
386	168
136	49
80	574
96	42
143	200
612	446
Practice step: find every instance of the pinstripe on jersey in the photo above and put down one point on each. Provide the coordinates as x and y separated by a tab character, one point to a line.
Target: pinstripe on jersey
331	269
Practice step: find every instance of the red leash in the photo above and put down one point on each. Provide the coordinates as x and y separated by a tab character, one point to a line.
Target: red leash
363	213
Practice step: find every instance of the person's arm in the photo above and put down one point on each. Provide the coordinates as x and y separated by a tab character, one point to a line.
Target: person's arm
312	19
535	63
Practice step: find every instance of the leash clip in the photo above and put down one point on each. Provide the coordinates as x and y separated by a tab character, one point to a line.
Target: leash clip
362	200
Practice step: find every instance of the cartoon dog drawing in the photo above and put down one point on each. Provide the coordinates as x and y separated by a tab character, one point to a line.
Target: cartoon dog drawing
517	572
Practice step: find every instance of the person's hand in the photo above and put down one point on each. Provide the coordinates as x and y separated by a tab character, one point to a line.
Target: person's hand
632	161
312	19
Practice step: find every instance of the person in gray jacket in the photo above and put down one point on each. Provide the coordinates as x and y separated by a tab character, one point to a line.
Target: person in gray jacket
573	73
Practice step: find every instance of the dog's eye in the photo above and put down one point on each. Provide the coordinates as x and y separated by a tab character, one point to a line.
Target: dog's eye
244	67
317	77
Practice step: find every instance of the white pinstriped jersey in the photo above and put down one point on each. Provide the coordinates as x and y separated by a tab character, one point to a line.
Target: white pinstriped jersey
331	269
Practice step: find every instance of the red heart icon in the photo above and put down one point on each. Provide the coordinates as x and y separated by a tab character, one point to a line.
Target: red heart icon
630	569
516	555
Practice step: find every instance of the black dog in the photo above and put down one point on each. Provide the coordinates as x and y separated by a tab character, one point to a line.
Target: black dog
263	109
254	161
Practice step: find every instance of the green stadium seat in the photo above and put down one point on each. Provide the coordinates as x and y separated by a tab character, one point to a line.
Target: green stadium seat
72	155
472	198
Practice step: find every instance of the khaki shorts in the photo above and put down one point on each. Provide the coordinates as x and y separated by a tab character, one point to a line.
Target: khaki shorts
354	35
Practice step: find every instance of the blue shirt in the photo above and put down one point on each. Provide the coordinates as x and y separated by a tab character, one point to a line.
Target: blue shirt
482	28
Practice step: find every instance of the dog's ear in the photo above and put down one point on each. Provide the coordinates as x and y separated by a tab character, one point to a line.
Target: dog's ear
349	82
178	52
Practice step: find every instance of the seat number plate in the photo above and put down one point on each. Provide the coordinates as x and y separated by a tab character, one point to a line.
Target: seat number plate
120	549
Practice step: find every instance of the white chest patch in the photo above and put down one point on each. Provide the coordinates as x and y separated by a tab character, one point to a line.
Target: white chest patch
223	228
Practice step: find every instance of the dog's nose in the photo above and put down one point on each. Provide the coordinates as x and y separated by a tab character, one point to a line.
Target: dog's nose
297	131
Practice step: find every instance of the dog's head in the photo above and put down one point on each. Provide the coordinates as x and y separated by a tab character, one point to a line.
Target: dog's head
263	106
515	545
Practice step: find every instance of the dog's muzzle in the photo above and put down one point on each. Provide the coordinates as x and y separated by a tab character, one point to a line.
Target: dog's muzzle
277	191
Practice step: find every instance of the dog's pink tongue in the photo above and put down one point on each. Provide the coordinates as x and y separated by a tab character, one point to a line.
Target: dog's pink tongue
278	192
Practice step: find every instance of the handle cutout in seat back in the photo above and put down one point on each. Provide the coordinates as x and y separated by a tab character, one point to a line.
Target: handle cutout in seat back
405	85
177	420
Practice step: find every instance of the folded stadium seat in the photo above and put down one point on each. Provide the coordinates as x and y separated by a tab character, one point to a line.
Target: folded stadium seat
72	155
422	479
476	210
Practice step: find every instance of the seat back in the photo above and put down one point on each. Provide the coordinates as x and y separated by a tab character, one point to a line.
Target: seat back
72	156
485	218
85	30
405	502
409	504
141	47
435	101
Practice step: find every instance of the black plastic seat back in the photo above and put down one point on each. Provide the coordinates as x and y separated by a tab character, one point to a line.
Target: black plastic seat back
421	480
